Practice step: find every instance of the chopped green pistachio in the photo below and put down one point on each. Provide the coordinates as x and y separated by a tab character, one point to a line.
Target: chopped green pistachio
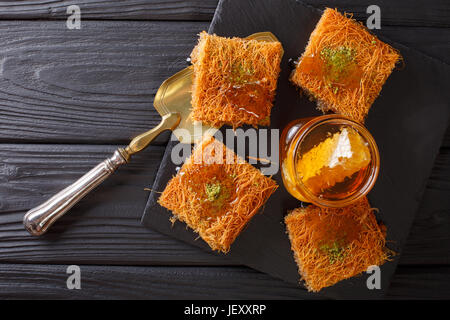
335	251
240	74
217	195
337	61
212	191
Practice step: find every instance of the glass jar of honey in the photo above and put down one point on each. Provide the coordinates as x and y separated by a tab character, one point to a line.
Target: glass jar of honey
330	160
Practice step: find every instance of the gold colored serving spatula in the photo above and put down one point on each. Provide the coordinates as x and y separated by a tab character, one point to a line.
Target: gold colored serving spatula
173	103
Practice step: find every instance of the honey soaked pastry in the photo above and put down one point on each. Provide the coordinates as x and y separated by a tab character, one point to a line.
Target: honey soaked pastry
216	193
334	244
234	80
344	66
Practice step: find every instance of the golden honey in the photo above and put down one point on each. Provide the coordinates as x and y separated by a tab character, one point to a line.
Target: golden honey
330	161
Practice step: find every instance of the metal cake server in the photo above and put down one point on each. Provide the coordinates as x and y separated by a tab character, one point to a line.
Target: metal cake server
173	103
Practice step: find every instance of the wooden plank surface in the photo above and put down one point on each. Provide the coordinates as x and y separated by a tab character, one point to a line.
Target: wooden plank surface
111	9
113	282
103	228
394	13
94	85
46	96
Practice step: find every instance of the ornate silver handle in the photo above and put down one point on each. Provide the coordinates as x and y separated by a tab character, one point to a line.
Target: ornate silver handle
39	219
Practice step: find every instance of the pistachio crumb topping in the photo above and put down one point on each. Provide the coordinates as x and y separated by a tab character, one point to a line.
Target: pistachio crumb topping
335	251
212	191
240	74
338	58
337	63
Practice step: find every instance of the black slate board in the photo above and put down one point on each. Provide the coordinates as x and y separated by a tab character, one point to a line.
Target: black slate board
408	121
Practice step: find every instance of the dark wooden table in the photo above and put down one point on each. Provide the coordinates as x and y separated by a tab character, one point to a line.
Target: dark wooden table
68	98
